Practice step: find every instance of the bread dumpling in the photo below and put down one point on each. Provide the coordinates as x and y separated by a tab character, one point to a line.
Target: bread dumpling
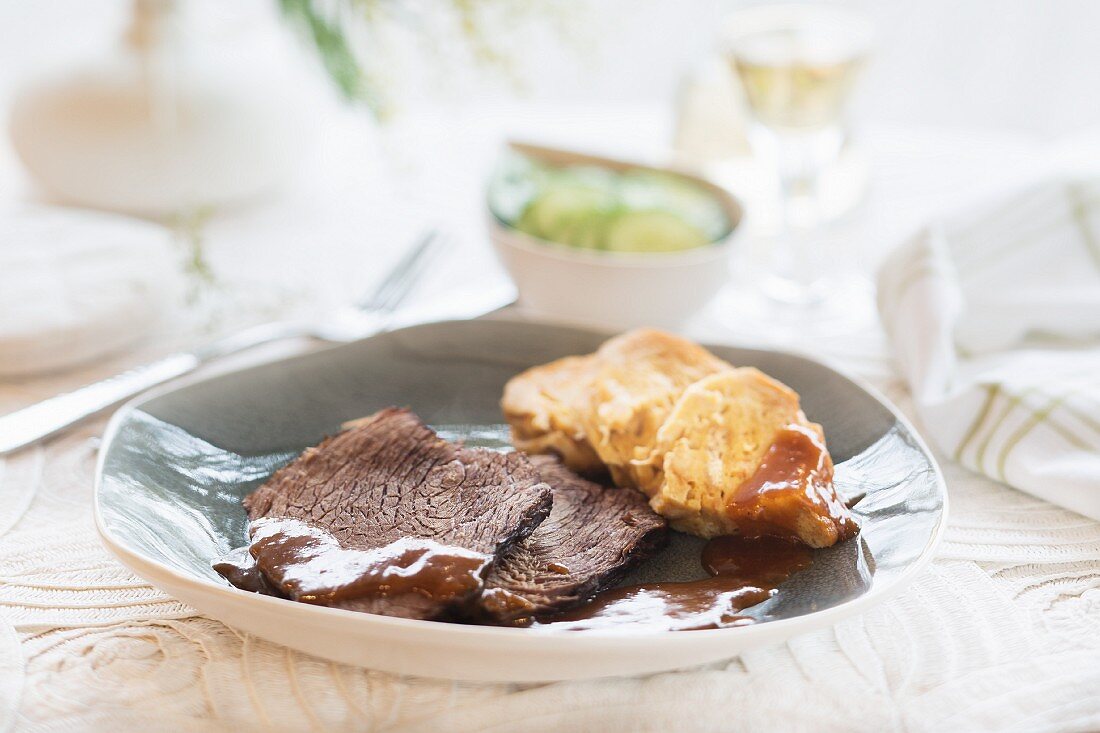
641	375
718	450
541	405
736	455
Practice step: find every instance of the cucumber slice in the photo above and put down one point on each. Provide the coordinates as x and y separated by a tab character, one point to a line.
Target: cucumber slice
652	231
526	222
647	190
591	237
560	210
587	232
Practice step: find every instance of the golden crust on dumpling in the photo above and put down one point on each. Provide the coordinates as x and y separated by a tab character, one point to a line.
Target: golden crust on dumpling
541	406
642	374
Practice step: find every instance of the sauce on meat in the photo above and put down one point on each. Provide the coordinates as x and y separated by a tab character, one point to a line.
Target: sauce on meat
308	564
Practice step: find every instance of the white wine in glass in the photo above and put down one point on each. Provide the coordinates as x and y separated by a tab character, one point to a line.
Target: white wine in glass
797	65
797	95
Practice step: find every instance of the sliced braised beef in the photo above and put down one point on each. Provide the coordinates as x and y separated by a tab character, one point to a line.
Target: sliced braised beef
594	534
388	518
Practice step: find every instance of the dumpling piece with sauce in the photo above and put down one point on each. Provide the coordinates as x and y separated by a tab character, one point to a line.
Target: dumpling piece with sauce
737	456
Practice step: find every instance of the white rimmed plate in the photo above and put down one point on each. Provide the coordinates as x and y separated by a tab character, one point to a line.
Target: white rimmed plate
175	465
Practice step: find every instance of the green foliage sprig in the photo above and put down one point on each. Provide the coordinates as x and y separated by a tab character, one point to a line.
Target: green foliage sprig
327	37
328	27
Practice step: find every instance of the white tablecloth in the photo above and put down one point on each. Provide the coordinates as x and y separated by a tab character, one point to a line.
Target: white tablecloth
1002	633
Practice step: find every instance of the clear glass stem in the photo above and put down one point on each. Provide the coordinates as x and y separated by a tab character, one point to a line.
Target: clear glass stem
797	267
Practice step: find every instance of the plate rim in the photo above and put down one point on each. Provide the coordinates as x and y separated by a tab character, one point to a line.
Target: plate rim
811	621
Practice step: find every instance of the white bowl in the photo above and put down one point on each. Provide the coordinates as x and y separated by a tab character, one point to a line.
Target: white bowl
622	289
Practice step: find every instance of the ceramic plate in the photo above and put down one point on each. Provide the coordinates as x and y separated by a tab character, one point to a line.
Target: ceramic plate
175	465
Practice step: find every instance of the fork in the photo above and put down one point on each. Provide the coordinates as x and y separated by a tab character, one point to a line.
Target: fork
366	316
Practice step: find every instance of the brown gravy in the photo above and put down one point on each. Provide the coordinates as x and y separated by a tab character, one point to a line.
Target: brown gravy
308	564
239	568
745	572
796	472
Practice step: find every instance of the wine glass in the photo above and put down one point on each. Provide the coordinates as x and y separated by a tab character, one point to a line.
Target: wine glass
798	65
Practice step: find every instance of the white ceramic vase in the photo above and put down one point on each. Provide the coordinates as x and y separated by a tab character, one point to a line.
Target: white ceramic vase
174	119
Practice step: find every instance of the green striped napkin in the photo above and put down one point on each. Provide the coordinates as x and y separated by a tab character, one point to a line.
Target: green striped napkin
995	320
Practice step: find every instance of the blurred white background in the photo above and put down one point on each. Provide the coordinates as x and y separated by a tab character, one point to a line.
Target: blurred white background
960	96
1025	66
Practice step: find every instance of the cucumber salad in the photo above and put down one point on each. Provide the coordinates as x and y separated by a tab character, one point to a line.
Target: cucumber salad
596	208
